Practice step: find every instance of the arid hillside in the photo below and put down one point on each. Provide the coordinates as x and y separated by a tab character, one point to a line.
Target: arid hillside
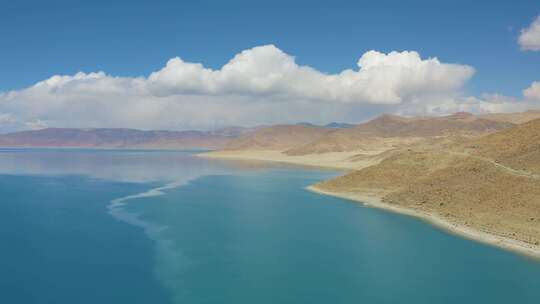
349	140
488	183
280	137
391	131
518	148
375	136
516	118
396	126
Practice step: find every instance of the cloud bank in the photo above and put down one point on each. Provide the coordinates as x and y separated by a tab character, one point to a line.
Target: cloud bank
262	85
529	39
266	70
533	92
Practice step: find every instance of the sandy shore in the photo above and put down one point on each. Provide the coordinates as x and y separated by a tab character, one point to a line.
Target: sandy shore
334	160
461	230
341	160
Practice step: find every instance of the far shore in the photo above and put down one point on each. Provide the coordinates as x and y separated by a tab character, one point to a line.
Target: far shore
112	148
341	161
334	160
458	229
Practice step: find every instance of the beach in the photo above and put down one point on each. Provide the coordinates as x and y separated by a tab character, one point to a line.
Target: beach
459	229
334	160
342	161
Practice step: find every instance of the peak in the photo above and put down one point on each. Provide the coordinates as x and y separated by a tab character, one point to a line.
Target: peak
306	124
389	117
461	115
339	125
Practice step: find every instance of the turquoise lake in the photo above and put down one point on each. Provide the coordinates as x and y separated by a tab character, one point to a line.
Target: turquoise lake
129	226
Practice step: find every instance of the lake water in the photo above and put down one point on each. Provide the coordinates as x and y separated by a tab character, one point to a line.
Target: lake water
105	226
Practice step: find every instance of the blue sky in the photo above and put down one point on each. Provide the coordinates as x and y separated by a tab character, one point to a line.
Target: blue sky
136	38
42	38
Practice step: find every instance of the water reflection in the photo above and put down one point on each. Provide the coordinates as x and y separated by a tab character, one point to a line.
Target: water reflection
140	166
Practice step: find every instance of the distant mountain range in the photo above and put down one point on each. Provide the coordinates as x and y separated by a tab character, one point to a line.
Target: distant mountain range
117	138
295	139
476	174
489	182
333	125
231	137
280	137
393	126
304	138
339	125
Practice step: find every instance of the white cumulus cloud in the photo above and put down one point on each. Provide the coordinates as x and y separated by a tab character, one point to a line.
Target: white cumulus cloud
258	85
529	39
380	78
485	103
533	92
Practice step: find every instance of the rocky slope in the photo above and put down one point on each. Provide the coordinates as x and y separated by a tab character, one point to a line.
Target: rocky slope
518	147
487	183
280	137
515	118
391	131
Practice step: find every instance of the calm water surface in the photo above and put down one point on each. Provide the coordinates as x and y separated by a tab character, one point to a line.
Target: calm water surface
83	226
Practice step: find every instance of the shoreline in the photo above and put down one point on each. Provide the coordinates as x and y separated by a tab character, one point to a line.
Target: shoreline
374	201
467	232
336	160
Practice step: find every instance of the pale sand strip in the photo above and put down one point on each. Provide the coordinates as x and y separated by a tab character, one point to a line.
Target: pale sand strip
461	230
340	161
334	160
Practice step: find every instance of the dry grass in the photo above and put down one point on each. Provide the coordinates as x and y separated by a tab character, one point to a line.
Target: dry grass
518	147
449	169
280	137
461	189
337	160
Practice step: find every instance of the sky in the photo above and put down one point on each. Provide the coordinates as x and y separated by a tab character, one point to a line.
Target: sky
207	64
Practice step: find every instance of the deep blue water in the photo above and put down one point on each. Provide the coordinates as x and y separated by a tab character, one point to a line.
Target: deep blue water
81	226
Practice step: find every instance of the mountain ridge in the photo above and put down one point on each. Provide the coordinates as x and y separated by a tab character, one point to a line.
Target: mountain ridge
113	138
490	183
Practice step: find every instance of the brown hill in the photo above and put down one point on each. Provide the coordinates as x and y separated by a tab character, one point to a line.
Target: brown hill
395	126
518	147
488	183
280	137
351	141
119	138
391	131
233	131
515	118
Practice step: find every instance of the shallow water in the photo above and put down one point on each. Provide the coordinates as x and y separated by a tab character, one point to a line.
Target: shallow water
82	226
